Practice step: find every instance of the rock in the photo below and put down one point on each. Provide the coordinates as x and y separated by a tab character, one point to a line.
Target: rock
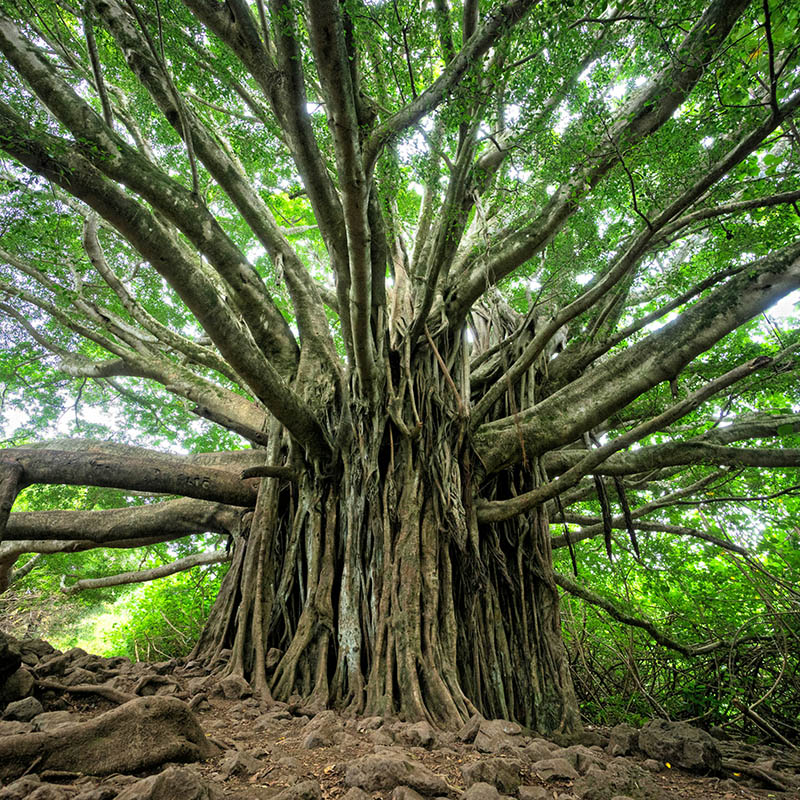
651	765
383	771
621	777
52	720
469	730
420	734
555	769
537	750
141	734
405	793
234	687
719	733
53	665
97	793
680	744
591	738
9	728
171	784
354	793
306	790
23	710
369	724
623	741
322	731
239	763
21	788
495	735
18	686
503	773
481	791
10	657
534	793
579	756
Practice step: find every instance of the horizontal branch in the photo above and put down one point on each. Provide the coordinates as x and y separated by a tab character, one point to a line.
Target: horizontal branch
141	576
678	454
165	521
595	528
160	476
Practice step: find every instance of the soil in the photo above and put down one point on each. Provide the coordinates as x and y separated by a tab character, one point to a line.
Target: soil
281	745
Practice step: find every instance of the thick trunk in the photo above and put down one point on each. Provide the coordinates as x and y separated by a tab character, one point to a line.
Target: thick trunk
382	593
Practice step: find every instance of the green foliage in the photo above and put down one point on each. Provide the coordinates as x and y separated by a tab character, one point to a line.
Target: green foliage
163	619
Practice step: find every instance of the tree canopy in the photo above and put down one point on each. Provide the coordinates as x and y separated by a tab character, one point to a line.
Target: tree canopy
522	269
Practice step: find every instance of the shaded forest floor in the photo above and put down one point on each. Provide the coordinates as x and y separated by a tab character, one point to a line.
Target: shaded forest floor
288	752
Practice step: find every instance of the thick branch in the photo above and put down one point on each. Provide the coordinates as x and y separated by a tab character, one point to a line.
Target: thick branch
505	509
111	527
55	159
641	116
145	475
593	398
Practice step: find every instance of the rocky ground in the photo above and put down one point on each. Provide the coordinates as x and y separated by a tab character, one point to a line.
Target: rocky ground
75	726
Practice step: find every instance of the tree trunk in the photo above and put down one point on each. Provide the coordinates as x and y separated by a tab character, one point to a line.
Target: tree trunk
381	591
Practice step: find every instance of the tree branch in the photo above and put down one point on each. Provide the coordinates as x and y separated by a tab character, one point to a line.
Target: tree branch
141	576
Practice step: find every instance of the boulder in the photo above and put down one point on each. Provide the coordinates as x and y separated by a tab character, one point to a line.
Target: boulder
538	749
481	791
580	757
495	735
621	777
172	783
469	730
420	734
623	740
681	745
141	734
322	731
305	790
23	710
17	686
405	793
555	769
384	771
503	773
234	687
238	762
534	793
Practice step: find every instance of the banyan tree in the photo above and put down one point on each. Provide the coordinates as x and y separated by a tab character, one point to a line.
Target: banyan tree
452	283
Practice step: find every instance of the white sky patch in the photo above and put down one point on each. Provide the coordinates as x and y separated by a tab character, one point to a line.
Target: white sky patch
583	278
533	284
255	252
707	141
417	188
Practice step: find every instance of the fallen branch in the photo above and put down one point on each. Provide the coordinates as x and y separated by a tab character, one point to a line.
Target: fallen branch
762	723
